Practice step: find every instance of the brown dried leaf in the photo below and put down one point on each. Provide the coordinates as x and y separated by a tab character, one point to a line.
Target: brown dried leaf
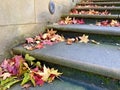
70	41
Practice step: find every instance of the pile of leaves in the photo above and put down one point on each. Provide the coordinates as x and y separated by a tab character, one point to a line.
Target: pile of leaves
69	20
90	12
112	23
82	39
79	6
51	37
39	41
26	70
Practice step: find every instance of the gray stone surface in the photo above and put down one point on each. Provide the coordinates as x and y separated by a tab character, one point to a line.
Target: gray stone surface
16	12
100	8
10	36
99	59
103	0
63	84
88	29
102	3
113	16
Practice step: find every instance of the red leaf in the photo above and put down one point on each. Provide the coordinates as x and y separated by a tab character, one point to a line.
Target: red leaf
61	22
17	60
39	46
74	21
29	40
74	11
47	42
80	21
38	79
4	64
40	82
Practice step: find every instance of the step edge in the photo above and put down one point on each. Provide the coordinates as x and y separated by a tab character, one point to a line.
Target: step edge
80	66
97	8
100	3
99	30
116	16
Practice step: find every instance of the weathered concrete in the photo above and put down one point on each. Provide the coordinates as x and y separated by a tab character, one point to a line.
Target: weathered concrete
15	34
100	59
23	18
16	12
61	6
113	16
88	29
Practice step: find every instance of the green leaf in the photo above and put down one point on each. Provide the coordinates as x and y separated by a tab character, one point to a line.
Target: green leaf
33	81
26	78
3	82
7	86
38	64
29	58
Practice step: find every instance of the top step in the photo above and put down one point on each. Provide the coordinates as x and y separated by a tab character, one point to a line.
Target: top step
99	3
102	0
98	8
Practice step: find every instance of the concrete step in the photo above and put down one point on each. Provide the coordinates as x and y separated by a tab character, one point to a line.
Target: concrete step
100	59
115	31
115	16
102	0
65	84
112	10
99	8
100	3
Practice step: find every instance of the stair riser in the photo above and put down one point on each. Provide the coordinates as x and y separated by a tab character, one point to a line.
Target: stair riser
112	11
93	21
103	39
87	77
101	0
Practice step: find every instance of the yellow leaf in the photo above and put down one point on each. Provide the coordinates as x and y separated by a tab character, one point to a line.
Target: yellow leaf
84	38
51	32
68	20
45	74
55	72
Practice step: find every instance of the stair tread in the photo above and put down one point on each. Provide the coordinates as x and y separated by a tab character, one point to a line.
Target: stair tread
98	8
103	0
113	16
65	84
105	3
88	29
87	57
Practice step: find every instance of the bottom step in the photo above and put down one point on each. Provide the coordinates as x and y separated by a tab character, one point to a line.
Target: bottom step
73	79
66	84
100	59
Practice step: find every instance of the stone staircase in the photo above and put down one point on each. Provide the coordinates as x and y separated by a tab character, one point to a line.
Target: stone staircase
84	66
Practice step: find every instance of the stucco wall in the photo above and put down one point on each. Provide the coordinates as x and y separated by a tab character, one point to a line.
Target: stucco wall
24	18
